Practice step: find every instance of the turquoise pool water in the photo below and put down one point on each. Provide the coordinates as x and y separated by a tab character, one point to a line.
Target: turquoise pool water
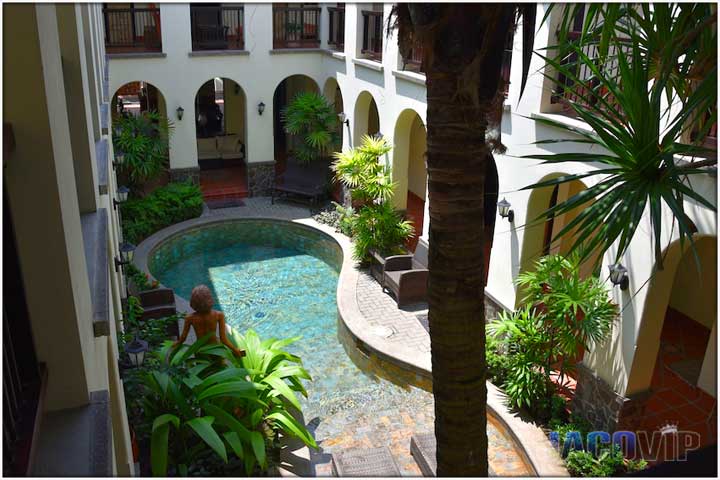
280	280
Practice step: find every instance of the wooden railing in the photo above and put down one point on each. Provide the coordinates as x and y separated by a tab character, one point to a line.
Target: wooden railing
296	27
372	34
336	27
132	30
217	27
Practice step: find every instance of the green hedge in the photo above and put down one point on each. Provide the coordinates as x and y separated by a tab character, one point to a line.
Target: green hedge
173	203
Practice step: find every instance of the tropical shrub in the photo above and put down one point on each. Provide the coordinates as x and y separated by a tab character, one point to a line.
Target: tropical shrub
609	462
140	280
144	141
205	408
339	217
376	225
577	311
359	169
652	82
311	117
173	203
496	360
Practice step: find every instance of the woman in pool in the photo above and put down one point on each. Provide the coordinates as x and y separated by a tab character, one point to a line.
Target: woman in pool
206	320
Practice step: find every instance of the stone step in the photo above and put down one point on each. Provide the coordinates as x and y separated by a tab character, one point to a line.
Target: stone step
423	448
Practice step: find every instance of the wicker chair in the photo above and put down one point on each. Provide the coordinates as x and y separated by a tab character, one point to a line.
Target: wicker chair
406	279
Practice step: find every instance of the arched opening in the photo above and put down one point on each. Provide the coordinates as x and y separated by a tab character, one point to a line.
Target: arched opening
134	98
285	92
539	232
409	171
366	119
221	132
675	359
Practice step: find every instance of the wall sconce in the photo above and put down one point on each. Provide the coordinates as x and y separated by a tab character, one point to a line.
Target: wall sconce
119	159
343	118
122	193
127	250
619	276
505	211
261	108
180	112
136	351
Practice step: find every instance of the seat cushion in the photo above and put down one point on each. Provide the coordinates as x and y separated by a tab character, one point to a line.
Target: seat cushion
207	148
392	279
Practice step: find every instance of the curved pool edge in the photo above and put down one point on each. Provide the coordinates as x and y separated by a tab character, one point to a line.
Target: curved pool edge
530	439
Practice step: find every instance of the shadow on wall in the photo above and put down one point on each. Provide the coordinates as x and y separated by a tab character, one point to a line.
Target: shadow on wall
369	75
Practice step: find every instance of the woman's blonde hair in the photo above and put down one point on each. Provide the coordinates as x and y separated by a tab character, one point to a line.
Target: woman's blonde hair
201	299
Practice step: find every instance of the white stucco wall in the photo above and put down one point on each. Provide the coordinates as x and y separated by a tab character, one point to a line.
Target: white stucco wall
178	76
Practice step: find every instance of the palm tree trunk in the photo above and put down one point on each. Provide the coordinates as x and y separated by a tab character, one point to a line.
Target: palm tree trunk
460	102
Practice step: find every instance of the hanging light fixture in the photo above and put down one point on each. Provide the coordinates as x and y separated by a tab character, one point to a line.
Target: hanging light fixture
122	194
505	211
261	108
619	276
127	250
343	118
136	351
180	112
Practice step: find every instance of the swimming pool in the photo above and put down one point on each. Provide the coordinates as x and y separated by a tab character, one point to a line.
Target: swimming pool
280	279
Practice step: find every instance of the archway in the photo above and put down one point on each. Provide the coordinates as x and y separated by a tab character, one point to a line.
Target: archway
539	232
288	89
134	98
675	356
221	132
366	119
408	170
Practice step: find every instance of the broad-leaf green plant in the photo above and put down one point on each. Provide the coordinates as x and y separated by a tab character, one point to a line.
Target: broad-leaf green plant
381	228
311	117
362	171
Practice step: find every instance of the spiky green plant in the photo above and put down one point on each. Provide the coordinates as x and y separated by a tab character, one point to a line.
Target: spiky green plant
653	79
311	117
361	170
381	228
144	141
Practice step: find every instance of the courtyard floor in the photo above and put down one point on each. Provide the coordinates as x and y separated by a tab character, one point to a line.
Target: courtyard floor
381	425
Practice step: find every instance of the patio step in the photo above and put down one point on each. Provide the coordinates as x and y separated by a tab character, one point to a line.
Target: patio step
423	448
225	193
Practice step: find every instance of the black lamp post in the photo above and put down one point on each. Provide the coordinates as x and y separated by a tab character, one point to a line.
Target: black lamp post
343	118
505	211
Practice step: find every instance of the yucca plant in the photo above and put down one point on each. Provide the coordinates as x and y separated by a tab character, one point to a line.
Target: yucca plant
144	141
361	170
311	117
653	79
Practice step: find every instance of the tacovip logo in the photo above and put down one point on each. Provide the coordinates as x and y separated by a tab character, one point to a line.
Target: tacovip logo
667	443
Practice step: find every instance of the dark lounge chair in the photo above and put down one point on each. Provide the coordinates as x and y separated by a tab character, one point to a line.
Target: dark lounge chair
308	181
406	279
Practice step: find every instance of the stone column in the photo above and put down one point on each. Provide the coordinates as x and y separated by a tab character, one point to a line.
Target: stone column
260	178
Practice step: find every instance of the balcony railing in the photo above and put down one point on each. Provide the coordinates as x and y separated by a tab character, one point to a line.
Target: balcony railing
336	28
217	27
296	27
372	34
413	62
132	30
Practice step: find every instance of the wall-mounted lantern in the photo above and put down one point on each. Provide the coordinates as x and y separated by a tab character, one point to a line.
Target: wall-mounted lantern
261	108
180	112
122	194
619	276
505	211
127	250
343	118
